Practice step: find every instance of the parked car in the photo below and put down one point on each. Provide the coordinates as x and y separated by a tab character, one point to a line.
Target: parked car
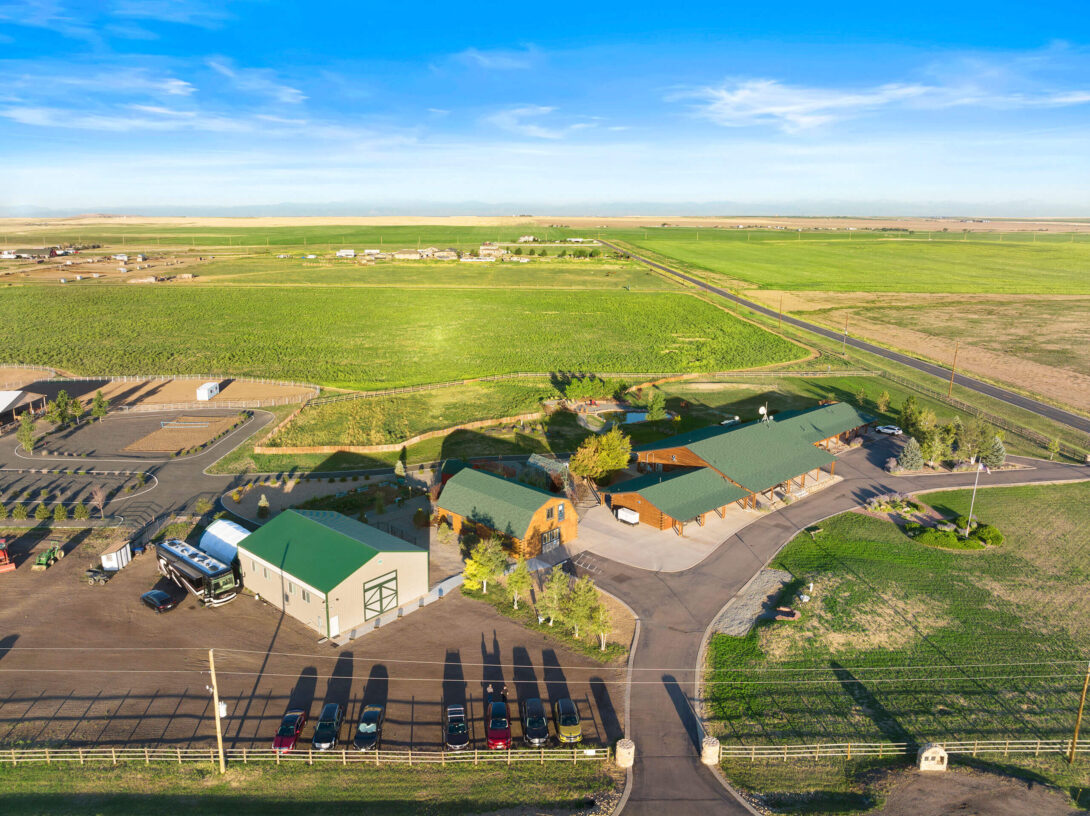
497	726
568	727
457	730
535	726
290	729
369	731
328	727
889	430
159	601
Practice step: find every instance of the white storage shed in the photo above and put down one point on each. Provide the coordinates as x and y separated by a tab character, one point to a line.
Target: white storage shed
205	391
116	556
221	540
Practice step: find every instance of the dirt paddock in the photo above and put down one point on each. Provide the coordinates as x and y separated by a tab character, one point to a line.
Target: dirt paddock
184	390
973	794
66	682
179	433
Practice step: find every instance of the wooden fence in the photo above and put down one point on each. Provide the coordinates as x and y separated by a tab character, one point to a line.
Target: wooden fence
848	750
339	756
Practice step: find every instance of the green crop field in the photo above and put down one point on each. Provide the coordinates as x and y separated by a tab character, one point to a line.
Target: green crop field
875	262
902	642
373	337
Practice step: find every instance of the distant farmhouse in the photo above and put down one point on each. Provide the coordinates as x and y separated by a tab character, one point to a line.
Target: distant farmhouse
490	249
706	470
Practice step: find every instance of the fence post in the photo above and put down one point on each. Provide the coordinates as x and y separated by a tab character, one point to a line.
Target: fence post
13	762
147	759
1037	751
474	756
47	761
277	753
574	757
849	750
113	755
80	756
310	756
344	756
752	753
244	762
542	756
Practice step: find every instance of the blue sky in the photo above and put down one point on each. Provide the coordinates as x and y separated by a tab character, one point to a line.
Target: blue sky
166	106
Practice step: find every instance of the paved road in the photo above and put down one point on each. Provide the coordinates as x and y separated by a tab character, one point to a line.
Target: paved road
1040	408
675	610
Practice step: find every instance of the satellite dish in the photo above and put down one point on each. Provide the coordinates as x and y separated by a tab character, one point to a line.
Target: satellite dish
763	411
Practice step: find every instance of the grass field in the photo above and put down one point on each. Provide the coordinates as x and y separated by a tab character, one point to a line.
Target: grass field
902	642
43	790
371	338
384	420
875	262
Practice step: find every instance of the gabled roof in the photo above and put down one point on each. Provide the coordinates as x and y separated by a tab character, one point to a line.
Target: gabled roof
319	547
683	495
498	503
760	455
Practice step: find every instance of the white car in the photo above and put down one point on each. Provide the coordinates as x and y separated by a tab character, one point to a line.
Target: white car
890	430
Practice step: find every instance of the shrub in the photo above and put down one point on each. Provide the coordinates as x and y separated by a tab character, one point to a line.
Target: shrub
938	538
81	512
913	528
989	535
380	505
3	512
420	517
203	506
263	507
19	512
961	522
891	465
60	513
41	512
236	494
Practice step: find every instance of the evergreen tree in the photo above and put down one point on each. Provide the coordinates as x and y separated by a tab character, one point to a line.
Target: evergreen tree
99	406
911	457
518	582
656	406
910	410
996	455
554	595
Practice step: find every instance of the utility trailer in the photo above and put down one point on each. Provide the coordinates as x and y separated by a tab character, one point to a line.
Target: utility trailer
213	582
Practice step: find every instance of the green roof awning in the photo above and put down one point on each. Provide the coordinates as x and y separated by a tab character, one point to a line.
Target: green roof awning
683	495
760	455
319	547
498	503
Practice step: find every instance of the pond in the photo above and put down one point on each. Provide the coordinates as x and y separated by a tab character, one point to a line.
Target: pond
635	416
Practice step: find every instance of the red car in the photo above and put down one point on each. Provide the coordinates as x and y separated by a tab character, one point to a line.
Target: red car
497	727
290	729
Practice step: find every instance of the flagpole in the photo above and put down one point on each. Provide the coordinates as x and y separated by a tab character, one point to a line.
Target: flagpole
972	501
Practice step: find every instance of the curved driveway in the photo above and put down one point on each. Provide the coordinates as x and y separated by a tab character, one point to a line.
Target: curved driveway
675	610
1010	397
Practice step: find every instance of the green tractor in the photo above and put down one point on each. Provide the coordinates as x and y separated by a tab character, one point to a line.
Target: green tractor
49	556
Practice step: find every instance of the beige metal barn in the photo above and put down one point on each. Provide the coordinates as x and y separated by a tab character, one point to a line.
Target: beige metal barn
329	571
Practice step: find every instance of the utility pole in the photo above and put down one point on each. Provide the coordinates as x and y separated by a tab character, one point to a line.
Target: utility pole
216	708
953	368
1078	717
844	350
972	501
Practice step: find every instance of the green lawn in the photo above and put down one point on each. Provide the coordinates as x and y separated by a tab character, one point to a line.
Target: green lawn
365	338
874	262
902	642
260	789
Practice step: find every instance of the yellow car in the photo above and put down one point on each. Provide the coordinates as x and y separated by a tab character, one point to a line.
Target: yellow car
568	728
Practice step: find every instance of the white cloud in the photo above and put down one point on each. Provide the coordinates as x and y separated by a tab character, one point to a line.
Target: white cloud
257	80
183	12
765	101
498	60
525	121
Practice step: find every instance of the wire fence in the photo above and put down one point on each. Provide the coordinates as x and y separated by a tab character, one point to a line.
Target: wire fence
339	756
848	750
1020	430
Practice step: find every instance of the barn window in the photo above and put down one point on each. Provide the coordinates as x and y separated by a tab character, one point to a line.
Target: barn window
560	512
265	571
306	596
291	589
549	513
253	565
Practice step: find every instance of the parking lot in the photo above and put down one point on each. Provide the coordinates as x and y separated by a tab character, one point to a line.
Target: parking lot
83	665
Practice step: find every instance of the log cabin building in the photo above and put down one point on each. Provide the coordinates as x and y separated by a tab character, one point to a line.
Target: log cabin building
533	520
692	474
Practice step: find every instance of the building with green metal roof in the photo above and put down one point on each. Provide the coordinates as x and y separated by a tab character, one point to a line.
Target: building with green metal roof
330	571
750	460
533	520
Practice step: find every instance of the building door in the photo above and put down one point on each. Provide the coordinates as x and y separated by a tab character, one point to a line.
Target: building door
334	626
380	595
550	540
